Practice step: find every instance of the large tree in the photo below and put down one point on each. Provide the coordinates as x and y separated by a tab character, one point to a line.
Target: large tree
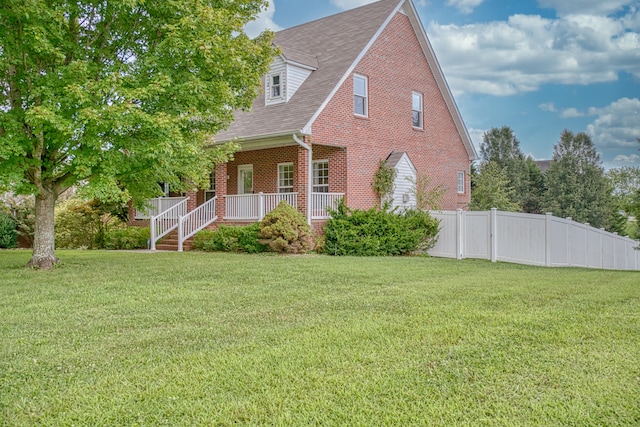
492	189
117	95
576	183
500	146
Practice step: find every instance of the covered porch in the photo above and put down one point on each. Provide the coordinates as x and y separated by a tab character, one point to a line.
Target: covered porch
250	186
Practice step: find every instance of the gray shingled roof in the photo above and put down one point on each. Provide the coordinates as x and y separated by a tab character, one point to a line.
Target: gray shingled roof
394	158
335	42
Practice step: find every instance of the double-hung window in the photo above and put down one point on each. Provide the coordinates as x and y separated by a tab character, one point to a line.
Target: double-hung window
210	193
360	96
285	178
461	182
276	86
416	110
321	176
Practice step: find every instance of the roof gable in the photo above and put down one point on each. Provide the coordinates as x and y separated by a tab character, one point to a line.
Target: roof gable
333	46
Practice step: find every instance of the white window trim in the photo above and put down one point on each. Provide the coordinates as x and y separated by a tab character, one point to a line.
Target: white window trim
269	98
293	178
365	96
244	168
421	110
461	182
313	184
210	192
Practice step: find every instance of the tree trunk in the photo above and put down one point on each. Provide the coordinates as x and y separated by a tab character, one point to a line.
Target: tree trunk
44	237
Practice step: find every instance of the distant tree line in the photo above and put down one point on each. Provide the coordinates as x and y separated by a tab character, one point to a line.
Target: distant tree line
575	184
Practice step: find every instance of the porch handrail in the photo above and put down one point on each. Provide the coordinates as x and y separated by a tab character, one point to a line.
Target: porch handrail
321	201
157	206
166	222
196	220
253	207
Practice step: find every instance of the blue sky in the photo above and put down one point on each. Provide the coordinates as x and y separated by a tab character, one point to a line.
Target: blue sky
537	66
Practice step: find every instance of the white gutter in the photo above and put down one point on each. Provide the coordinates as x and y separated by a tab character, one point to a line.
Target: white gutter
309	174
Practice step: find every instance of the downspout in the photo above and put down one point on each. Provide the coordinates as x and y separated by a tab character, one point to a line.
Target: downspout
309	174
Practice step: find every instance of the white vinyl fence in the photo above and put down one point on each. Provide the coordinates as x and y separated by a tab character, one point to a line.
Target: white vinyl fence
532	239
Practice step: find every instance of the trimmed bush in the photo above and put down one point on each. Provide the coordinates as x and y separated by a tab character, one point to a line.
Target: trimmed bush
127	238
230	239
8	231
379	232
285	230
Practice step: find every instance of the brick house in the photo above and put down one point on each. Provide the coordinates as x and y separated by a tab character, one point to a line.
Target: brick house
346	91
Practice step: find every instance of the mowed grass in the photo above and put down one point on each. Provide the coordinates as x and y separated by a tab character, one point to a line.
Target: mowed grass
183	339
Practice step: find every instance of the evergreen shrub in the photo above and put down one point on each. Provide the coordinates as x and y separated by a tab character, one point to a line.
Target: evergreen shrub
127	238
228	238
8	231
376	232
285	230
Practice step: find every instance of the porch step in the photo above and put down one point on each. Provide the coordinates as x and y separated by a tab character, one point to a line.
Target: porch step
170	242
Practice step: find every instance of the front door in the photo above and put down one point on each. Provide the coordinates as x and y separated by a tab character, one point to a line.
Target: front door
245	179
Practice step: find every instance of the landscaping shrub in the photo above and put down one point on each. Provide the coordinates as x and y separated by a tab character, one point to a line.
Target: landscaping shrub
284	229
8	231
81	224
230	239
127	238
379	232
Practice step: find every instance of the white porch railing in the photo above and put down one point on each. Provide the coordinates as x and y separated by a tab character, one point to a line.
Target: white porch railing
321	201
195	221
167	221
253	207
158	205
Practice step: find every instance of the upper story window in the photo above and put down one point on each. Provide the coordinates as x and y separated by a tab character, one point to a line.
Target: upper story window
276	87
360	95
461	182
285	178
321	176
416	110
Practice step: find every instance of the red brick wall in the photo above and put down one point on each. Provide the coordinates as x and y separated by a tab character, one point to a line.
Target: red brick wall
395	67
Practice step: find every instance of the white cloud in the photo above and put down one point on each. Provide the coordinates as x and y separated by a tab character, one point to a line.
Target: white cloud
622	159
264	21
477	137
464	6
527	51
350	4
571	113
617	124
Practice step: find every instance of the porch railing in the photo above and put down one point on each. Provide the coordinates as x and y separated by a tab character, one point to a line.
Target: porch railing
167	221
253	207
196	220
157	206
321	201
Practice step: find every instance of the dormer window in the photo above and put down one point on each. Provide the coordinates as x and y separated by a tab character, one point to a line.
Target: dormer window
275	92
275	86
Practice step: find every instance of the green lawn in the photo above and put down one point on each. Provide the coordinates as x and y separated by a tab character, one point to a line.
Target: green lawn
222	339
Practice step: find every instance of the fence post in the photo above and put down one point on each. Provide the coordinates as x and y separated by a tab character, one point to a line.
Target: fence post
180	232
152	232
493	234
547	243
459	234
260	206
569	235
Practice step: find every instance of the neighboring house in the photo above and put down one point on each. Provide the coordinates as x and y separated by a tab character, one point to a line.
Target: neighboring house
346	91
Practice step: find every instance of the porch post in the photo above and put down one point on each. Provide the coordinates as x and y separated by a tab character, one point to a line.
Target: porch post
302	183
221	190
